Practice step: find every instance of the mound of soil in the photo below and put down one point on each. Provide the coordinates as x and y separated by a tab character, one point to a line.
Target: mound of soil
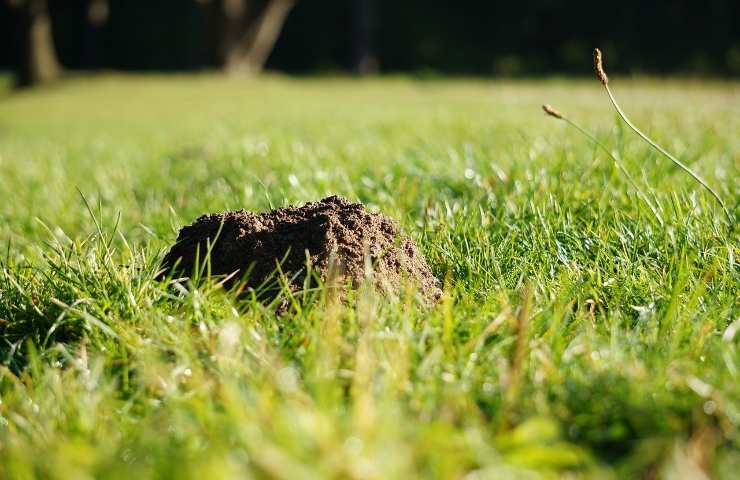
330	235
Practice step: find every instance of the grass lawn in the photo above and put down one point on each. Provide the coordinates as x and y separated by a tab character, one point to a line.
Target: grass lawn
580	333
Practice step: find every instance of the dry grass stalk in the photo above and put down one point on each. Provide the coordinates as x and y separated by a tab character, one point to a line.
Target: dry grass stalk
601	75
599	67
552	112
556	114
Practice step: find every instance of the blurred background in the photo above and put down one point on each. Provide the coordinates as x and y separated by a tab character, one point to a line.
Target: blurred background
40	38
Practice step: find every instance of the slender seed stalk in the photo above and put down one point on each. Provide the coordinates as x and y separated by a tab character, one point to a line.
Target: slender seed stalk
556	114
601	75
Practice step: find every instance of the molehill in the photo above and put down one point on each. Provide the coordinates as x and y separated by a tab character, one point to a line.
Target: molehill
333	234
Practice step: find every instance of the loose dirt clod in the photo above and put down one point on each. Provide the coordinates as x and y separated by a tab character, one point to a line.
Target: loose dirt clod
331	235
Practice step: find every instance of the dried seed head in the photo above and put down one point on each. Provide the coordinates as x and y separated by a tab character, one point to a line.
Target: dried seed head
599	67
551	111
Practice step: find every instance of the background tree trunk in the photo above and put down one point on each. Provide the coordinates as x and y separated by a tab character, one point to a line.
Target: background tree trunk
98	12
233	18
252	49
37	62
364	61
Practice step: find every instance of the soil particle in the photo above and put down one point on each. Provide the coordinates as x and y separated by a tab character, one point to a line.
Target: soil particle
331	235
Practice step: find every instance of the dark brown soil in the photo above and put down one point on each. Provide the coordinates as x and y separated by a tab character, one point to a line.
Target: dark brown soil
330	232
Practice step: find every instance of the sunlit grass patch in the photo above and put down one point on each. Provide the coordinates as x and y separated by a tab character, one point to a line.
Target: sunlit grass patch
579	333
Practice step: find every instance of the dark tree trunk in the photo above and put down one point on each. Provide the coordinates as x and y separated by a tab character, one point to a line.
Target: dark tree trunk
37	61
251	51
243	35
230	17
364	61
97	13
